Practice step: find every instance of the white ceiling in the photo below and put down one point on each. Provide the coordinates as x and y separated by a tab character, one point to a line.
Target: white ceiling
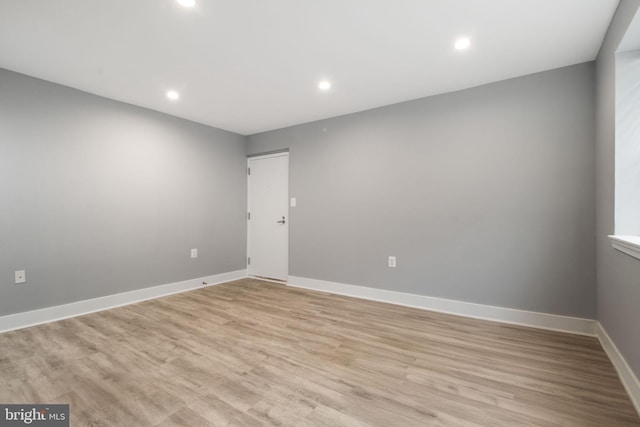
254	65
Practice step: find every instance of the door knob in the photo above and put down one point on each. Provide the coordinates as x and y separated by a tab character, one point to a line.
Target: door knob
282	221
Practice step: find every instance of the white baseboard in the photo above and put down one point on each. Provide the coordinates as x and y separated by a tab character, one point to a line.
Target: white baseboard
50	314
552	322
627	376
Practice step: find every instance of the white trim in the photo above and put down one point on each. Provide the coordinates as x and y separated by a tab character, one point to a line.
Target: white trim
552	322
630	245
268	156
265	279
626	374
51	314
248	215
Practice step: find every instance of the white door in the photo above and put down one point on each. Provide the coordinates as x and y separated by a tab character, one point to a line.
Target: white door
268	219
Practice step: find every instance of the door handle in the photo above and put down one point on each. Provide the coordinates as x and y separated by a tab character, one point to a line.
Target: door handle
282	221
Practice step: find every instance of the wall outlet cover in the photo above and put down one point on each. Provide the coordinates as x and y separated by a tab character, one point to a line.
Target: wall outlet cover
392	261
21	276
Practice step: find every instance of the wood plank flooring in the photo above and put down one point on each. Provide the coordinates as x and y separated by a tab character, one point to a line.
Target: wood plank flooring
252	353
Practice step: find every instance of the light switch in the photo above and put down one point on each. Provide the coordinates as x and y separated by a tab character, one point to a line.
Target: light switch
293	202
194	253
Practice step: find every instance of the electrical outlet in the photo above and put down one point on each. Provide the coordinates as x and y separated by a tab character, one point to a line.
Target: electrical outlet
194	253
21	276
392	261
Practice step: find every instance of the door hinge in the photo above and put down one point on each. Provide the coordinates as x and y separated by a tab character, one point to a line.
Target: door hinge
248	260
248	171
249	215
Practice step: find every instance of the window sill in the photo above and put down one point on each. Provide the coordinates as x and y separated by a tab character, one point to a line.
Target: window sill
630	245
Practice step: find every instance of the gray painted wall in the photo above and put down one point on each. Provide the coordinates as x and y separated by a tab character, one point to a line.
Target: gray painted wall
99	197
484	195
618	274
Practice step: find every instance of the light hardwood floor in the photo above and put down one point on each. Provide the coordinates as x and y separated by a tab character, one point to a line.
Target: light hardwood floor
252	353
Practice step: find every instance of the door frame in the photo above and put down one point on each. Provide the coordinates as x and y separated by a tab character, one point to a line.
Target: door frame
262	157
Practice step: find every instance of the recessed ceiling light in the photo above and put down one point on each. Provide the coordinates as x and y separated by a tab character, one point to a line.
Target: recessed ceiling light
462	43
324	85
187	3
173	95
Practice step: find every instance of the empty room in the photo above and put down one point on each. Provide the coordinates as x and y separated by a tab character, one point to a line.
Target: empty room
320	213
